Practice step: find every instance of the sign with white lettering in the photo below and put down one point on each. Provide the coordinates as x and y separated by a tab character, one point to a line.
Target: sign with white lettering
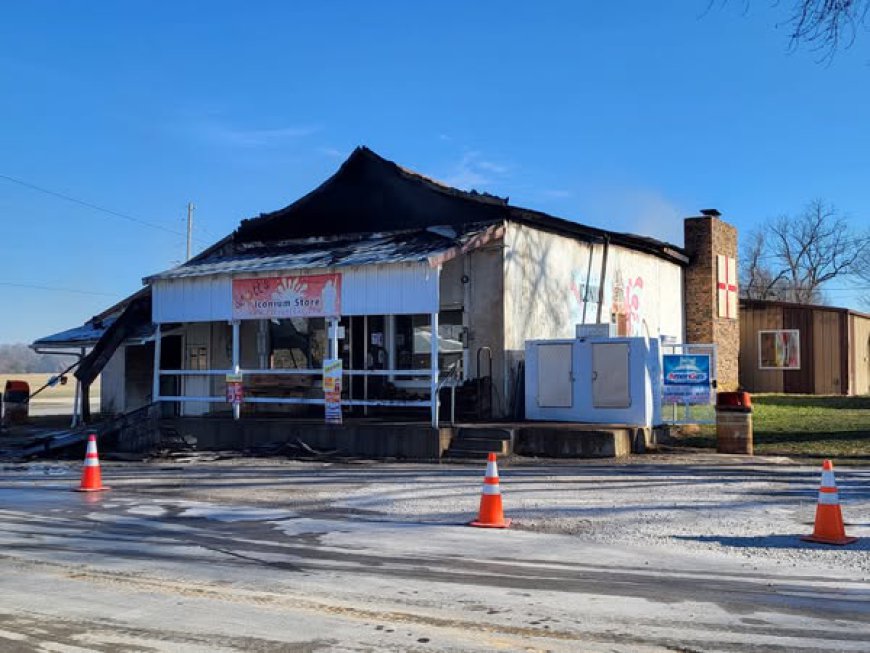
314	295
687	378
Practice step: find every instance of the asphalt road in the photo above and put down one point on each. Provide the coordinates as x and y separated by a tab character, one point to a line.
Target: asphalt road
267	556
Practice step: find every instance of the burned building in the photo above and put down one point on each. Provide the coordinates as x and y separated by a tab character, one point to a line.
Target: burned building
423	291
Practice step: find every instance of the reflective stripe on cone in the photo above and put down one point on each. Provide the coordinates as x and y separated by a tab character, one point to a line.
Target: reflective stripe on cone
491	513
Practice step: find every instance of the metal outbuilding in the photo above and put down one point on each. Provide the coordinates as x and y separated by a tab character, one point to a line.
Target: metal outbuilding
803	349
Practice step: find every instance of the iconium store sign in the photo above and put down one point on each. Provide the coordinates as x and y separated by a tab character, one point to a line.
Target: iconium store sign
316	295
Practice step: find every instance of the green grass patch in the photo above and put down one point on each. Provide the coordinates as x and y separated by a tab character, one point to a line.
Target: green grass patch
803	425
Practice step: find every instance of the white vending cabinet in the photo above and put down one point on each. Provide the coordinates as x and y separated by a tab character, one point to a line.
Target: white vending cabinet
594	380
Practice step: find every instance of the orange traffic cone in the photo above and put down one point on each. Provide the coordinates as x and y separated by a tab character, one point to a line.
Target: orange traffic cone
491	513
829	527
91	479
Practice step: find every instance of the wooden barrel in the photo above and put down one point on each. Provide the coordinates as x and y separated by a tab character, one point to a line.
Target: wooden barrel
734	432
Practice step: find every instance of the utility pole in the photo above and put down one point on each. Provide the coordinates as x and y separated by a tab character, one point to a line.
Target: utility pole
189	229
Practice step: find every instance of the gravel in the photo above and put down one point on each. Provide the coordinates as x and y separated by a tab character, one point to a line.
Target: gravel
752	512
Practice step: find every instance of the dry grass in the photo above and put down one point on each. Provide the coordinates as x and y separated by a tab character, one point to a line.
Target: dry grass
57	393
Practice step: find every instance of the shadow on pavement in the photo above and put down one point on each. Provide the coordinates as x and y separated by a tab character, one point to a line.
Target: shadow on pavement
774	542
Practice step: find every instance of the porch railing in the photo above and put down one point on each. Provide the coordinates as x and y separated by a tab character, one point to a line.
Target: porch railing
315	401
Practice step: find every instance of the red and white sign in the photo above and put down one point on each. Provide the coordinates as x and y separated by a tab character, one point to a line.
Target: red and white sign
726	286
317	295
235	394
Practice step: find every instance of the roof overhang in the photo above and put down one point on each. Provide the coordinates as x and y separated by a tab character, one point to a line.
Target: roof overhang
432	246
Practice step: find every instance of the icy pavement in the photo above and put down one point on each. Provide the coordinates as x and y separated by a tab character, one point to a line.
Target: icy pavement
243	555
751	512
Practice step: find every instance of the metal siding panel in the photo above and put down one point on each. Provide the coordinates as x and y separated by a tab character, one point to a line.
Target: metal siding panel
860	354
822	349
845	347
753	320
748	354
191	300
389	290
800	381
221	299
367	290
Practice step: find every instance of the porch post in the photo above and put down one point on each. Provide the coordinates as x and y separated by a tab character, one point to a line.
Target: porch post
155	390
237	408
262	349
333	337
434	369
390	337
365	362
75	415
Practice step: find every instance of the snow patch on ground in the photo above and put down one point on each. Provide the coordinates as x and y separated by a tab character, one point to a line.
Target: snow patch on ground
753	513
234	514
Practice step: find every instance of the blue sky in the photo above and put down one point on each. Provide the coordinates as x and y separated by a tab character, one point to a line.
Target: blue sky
626	115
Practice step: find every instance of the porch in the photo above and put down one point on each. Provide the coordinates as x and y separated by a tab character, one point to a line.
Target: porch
411	440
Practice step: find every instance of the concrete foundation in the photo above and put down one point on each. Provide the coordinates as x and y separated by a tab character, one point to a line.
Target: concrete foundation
415	440
412	441
577	441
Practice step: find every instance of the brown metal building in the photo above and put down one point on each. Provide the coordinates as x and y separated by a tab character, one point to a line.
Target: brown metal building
803	349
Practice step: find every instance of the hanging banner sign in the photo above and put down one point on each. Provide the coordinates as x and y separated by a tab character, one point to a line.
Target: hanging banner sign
687	378
315	295
235	394
332	369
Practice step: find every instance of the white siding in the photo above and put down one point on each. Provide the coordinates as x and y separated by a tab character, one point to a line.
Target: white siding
196	299
545	283
365	290
389	290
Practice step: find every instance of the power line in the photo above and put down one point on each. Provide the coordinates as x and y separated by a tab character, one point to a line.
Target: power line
56	289
96	207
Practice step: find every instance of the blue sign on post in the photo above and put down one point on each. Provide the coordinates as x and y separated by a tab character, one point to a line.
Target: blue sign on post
687	378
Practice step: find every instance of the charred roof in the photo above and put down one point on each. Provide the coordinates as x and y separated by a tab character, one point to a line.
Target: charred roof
371	194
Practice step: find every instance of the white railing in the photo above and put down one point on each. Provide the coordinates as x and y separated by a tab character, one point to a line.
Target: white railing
409	403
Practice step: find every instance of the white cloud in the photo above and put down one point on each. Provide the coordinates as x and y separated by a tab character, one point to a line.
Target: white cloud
474	172
226	135
331	152
556	193
632	209
652	214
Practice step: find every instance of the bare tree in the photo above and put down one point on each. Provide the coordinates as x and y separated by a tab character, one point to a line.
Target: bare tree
757	281
791	258
824	25
827	24
863	277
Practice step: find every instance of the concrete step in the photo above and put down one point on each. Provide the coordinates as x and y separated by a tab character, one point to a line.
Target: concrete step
480	444
491	433
466	455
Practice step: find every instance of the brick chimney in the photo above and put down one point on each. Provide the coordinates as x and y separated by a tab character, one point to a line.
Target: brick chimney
711	290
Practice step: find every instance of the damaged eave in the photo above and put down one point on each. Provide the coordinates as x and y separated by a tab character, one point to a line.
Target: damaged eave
430	246
489	235
680	256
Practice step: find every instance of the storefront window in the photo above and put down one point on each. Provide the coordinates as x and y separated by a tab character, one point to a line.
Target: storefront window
414	341
298	343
